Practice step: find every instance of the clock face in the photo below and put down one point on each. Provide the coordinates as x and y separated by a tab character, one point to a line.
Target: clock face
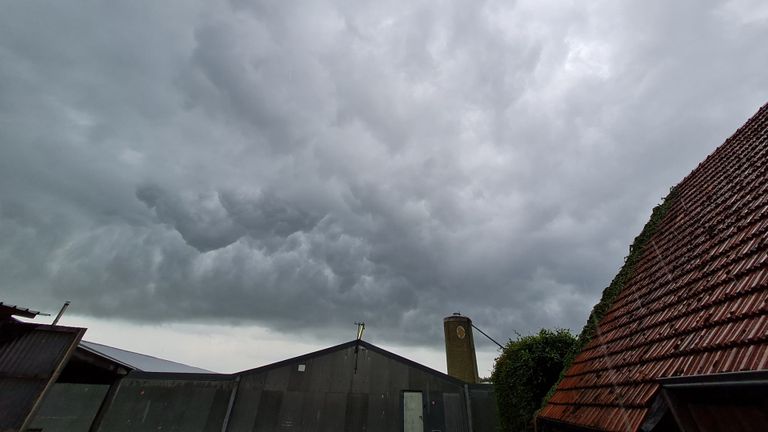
460	332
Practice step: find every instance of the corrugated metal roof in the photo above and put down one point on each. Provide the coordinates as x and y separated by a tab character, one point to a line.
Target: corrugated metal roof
697	302
137	361
31	357
7	310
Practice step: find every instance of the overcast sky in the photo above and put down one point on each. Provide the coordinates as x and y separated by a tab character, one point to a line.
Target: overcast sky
257	176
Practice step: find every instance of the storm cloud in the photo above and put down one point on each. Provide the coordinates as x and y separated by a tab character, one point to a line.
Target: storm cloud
306	165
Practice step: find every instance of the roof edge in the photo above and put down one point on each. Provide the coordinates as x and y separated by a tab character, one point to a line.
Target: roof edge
612	291
104	356
85	346
719	379
181	376
417	365
546	424
352	343
720	147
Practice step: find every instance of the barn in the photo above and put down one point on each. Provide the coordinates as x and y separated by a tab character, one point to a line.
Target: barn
72	385
354	386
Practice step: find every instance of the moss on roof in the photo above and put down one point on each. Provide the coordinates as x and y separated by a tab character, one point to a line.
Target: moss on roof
612	291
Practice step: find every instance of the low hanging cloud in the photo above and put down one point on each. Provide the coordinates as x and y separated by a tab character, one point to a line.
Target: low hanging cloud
215	220
306	166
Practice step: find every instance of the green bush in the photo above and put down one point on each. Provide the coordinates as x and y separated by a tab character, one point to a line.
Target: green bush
525	371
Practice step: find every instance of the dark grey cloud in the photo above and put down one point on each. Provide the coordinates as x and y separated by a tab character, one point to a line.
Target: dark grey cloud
213	221
303	166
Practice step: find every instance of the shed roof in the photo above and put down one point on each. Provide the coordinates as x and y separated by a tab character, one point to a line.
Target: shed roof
352	343
135	361
207	375
697	302
7	311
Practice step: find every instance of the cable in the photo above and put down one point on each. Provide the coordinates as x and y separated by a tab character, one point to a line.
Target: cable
486	335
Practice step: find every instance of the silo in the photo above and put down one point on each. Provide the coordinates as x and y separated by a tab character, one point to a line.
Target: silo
460	348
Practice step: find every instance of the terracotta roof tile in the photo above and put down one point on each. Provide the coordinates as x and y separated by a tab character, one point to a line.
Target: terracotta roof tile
697	302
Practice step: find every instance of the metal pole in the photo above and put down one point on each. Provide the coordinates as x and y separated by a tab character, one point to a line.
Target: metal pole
468	401
61	312
225	424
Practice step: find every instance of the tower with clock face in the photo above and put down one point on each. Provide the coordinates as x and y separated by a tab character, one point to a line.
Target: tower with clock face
460	348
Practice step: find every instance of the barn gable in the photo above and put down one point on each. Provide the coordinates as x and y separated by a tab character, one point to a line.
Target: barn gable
355	383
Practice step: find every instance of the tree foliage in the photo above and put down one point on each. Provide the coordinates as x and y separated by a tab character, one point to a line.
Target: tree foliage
525	371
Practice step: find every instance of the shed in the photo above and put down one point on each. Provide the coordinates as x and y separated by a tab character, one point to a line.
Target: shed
354	386
76	385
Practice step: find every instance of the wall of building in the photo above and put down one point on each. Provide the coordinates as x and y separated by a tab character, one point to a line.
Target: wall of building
69	407
344	390
172	403
352	387
485	416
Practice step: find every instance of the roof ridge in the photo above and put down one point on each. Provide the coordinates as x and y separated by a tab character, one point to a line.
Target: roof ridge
360	342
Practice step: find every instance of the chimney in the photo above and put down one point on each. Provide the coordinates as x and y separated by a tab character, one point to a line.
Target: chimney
460	348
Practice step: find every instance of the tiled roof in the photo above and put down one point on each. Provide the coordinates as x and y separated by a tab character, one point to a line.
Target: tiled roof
697	302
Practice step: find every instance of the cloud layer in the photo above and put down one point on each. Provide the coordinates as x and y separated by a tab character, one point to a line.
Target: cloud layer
305	166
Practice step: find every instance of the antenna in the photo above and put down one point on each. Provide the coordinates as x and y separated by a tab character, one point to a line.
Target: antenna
360	330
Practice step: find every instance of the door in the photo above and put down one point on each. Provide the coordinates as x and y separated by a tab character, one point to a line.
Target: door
413	412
